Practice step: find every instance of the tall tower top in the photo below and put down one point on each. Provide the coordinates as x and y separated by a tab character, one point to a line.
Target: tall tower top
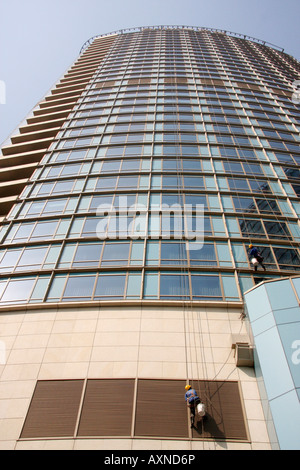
181	27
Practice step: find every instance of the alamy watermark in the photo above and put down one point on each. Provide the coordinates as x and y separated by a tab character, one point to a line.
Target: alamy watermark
296	353
166	221
296	94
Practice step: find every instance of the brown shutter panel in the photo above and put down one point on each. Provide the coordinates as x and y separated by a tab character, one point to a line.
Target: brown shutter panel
248	86
161	409
107	408
225	417
139	81
212	81
53	410
108	83
175	80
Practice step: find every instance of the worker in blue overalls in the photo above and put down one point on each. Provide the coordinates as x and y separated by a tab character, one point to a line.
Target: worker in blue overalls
255	257
192	400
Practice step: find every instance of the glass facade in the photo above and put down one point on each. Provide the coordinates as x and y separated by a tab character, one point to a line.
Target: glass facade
182	150
273	309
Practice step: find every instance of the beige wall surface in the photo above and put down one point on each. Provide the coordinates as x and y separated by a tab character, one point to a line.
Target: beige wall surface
120	342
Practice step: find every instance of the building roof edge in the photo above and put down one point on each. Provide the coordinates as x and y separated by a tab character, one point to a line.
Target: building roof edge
184	27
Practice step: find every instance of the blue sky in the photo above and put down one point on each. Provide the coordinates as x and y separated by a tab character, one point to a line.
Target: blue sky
41	39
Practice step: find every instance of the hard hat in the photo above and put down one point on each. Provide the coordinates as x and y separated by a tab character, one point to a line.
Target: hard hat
187	387
250	246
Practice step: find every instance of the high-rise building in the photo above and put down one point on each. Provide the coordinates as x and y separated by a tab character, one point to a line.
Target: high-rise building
128	200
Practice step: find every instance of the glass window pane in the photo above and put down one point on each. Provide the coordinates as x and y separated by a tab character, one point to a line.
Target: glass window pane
111	166
87	254
56	288
103	202
18	290
67	255
224	254
70	170
43	189
193	182
206	287
110	286
233	227
246	283
238	184
22	233
233	167
56	206
230	288
152	253
128	182
2	287
137	253
191	165
151	286
106	183
169	200
131	165
251	227
244	204
173	253
79	287
174	286
287	258
259	186
63	187
205	256
124	201
218	226
115	254
267	206
52	256
44	230
171	181
35	208
9	260
32	258
276	229
63	226
40	288
241	260
90	226
195	199
134	286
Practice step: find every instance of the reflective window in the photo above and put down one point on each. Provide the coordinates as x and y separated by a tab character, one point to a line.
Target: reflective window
9	259
174	286
244	204
251	227
204	256
32	258
115	254
110	285
87	254
277	229
287	257
173	253
206	287
79	287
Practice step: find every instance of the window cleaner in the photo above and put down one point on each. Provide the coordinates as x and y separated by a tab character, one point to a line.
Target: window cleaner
255	257
194	403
